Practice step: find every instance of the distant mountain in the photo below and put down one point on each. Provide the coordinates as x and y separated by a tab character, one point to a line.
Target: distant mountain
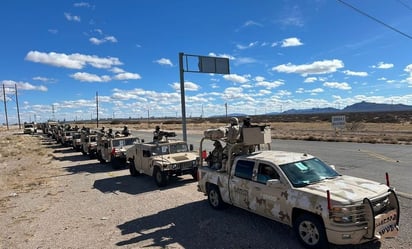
358	107
373	107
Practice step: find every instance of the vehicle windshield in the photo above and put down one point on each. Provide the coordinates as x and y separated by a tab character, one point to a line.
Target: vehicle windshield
309	171
170	149
124	142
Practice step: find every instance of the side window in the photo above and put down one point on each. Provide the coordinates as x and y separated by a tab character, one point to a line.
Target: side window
244	169
146	153
266	172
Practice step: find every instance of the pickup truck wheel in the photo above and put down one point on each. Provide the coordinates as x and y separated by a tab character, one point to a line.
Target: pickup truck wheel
214	197
132	169
160	177
310	231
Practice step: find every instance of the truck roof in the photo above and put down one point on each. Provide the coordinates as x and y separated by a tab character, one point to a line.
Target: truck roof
278	157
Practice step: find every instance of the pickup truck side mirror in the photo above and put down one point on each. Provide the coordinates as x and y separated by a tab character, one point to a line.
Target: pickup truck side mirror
273	182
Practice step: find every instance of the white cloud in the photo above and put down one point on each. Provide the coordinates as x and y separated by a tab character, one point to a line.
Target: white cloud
382	65
310	79
250	45
87	77
270	85
69	17
127	76
291	42
236	78
23	86
72	61
164	62
97	41
352	73
189	86
317	67
337	85
81	4
233	93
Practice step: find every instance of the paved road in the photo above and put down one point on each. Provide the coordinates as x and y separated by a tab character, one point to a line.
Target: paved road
370	161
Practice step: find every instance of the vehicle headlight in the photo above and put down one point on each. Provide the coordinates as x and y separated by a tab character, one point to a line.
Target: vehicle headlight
350	214
174	166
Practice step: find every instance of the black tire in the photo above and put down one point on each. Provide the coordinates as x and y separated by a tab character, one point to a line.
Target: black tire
160	177
194	174
310	231
99	157
132	169
115	162
84	153
214	197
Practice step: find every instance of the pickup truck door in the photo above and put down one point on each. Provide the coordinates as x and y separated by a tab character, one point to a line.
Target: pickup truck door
240	183
268	199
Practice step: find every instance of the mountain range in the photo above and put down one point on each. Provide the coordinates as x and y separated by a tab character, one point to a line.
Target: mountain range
357	107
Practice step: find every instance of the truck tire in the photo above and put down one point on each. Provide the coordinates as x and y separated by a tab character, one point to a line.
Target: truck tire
115	162
132	169
310	231
214	197
99	157
160	177
194	174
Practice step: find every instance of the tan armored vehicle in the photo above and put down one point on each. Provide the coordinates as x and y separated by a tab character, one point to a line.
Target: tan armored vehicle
77	142
29	128
88	140
302	191
112	148
162	159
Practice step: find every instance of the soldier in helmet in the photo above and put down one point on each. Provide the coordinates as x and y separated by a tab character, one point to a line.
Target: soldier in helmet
233	131
216	156
125	131
157	136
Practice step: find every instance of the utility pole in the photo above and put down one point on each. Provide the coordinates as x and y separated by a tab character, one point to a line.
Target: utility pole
97	109
5	106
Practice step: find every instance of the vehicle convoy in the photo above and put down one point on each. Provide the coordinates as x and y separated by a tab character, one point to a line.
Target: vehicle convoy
299	190
111	148
162	159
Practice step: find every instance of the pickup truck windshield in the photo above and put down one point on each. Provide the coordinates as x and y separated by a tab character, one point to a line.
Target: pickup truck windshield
309	171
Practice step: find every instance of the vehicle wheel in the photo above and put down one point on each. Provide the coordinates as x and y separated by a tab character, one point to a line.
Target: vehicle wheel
310	231
160	177
132	169
115	162
84	153
214	197
194	174
99	157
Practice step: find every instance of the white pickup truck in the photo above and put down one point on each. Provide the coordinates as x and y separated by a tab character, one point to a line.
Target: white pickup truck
300	190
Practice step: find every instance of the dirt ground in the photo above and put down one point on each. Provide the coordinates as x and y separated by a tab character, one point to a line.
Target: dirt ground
47	201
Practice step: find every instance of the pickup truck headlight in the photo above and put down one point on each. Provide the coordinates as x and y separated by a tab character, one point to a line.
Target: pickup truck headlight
349	214
173	166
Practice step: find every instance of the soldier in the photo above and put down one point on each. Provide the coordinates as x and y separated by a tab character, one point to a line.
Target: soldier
157	136
216	156
233	132
125	131
110	133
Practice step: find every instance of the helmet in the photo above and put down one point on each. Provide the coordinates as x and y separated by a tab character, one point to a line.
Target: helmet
234	121
157	127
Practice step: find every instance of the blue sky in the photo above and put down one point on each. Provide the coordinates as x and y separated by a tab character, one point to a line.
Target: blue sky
282	54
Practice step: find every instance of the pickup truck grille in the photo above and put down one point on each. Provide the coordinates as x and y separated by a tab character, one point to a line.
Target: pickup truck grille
356	214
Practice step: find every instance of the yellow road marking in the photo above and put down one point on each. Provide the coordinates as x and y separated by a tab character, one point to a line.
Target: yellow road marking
379	156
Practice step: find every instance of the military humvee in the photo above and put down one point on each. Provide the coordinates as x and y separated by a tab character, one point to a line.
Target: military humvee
88	140
300	190
162	159
112	149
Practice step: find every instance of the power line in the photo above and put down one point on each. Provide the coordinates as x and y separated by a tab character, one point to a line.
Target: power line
375	19
405	5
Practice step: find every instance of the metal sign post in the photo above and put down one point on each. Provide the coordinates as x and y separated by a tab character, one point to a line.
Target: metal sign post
205	64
